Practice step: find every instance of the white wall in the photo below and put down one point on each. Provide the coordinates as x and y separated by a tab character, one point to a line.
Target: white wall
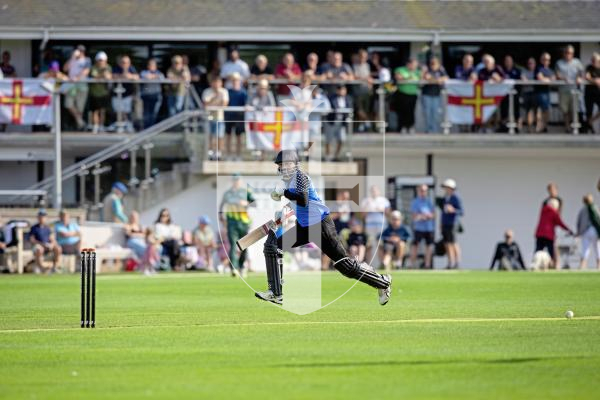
17	174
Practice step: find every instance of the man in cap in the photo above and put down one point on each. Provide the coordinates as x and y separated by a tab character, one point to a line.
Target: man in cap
233	211
113	209
313	224
452	210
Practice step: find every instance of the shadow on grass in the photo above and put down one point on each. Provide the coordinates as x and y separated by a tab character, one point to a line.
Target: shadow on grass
515	360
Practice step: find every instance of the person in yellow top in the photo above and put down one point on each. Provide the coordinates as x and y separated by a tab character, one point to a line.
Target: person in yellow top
233	212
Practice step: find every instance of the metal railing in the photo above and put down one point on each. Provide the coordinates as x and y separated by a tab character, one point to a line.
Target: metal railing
39	197
129	143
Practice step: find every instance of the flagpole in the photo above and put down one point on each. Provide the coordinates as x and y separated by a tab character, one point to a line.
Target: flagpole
57	150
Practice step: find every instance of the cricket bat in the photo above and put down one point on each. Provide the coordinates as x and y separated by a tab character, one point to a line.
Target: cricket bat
258	233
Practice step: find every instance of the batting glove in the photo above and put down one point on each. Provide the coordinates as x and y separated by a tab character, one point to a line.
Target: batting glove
277	194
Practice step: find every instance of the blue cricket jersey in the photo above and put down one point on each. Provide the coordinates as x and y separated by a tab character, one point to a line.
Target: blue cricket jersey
316	210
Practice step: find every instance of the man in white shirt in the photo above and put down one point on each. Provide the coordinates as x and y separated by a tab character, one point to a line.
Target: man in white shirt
78	69
568	69
216	96
376	209
233	65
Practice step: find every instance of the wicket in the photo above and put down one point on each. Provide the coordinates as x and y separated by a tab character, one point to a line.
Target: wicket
88	288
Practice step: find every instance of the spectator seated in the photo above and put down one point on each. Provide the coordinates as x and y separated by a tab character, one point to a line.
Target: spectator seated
18	255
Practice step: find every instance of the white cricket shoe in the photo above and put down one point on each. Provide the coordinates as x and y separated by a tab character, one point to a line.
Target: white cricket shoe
268	295
385	294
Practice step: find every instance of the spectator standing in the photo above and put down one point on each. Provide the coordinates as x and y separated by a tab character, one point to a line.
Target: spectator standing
135	235
288	69
234	120
508	254
78	69
423	217
481	64
588	230
262	97
7	69
544	74
436	76
53	72
233	65
552	189
375	210
216	96
123	102
151	92
569	70
337	70
466	71
68	234
234	212
343	211
44	242
545	234
394	239
490	71
592	90
528	94
199	78
362	72
204	240
452	210
113	208
357	240
336	131
177	91
261	68
169	236
514	73
407	79
312	64
100	92
379	69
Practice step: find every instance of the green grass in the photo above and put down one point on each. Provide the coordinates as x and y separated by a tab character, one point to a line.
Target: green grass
198	336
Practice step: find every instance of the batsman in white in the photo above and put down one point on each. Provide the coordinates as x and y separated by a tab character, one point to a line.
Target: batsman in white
313	224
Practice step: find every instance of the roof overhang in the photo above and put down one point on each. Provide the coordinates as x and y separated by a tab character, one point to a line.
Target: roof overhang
292	34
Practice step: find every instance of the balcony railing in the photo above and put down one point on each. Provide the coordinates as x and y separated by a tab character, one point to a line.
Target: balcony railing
124	106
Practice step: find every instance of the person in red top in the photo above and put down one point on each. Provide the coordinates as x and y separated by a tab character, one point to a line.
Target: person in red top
287	69
545	232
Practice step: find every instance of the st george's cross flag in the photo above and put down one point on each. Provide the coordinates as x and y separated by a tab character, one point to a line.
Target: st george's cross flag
274	129
25	102
474	102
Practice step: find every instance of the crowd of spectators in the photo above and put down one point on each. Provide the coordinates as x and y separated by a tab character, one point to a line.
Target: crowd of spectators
401	241
128	106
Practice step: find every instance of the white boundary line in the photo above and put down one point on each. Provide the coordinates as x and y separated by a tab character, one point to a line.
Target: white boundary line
284	323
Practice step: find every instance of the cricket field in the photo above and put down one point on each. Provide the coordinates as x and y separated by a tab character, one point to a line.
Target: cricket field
444	335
